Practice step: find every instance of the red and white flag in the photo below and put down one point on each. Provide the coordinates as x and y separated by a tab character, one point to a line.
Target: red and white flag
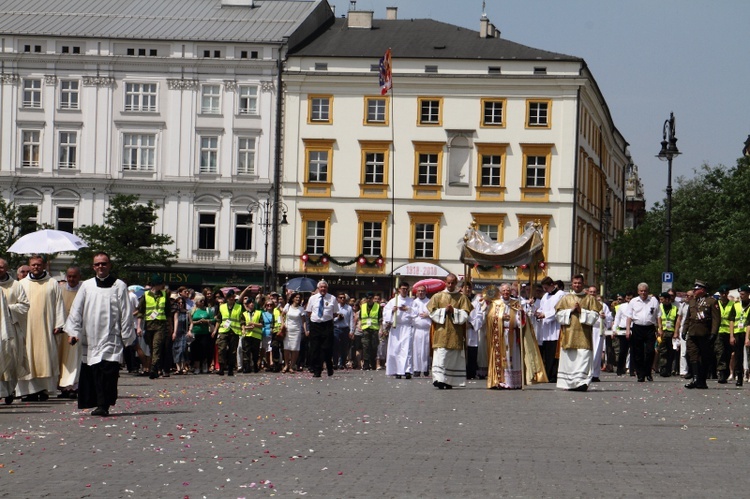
386	78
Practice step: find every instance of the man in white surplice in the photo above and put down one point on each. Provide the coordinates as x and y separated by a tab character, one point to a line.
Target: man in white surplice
398	316
13	358
421	343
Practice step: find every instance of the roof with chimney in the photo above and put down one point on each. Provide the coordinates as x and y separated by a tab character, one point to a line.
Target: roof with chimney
419	39
199	20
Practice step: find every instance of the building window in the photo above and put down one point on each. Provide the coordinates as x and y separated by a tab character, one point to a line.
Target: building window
316	225
493	112
139	152
207	231
68	150
536	171
319	108
209	154
140	97
374	176
424	241
243	232
429	111
211	99
315	237
538	114
428	169
248	99
536	163
428	174
318	167
425	235
32	94
374	168
28	216
491	171
372	239
490	229
30	146
245	156
69	94
376	110
66	218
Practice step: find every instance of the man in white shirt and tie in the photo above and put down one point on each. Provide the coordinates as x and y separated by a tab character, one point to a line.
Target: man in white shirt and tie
321	308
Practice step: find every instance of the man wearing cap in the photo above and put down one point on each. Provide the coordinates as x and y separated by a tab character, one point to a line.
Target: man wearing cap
322	307
640	328
739	339
154	308
667	322
549	333
702	321
227	332
722	347
370	316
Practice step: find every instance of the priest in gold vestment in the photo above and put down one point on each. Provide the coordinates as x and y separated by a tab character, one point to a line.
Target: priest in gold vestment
46	316
576	312
449	311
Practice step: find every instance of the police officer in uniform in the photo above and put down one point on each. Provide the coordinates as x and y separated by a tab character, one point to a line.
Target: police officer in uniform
701	325
370	316
666	332
227	332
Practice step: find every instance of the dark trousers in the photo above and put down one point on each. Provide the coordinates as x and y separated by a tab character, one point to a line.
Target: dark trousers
369	347
642	339
97	384
154	336
471	362
666	354
723	351
227	343
549	357
202	350
700	354
340	345
320	343
622	355
250	354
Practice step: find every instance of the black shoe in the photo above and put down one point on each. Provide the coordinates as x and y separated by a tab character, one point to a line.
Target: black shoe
738	383
650	378
641	380
220	372
582	388
165	374
62	395
425	374
153	375
438	385
330	372
408	376
695	384
416	374
230	372
688	376
100	411
447	386
317	375
398	376
43	396
722	381
9	399
595	380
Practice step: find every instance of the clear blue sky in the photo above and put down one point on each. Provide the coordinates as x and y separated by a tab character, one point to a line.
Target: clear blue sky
649	57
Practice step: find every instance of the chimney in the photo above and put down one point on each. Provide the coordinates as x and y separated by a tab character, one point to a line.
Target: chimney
391	13
484	27
359	19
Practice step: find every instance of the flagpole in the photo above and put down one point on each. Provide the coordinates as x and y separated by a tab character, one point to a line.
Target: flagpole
393	186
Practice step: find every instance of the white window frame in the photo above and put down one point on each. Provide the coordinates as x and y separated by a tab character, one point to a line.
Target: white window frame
377	110
31	147
318	174
32	93
372	235
211	99
374	168
248	226
141	97
491	230
537	172
247	150
208	157
206	225
538	113
145	147
496	170
247	100
433	169
421	241
67	150
70	95
320	109
71	220
319	240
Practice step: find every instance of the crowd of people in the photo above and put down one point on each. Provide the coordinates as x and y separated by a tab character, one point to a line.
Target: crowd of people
71	339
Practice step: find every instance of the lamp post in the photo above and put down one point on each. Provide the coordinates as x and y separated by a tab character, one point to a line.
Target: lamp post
668	152
267	214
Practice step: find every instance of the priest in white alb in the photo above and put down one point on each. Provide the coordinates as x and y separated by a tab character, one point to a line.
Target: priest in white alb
101	318
398	317
576	313
69	356
13	360
46	318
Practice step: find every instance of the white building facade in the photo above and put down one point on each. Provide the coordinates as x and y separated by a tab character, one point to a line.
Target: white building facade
476	128
181	111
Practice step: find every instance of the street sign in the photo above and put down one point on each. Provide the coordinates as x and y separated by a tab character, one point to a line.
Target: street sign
667	277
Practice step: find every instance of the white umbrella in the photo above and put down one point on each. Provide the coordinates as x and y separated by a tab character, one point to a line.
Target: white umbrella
47	241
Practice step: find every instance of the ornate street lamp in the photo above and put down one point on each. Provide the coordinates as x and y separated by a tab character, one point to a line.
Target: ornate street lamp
668	152
267	214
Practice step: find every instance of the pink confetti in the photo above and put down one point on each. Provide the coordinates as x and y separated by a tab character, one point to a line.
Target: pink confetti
185	483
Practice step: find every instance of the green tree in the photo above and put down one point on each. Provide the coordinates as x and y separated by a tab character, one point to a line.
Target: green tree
15	221
709	230
127	236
